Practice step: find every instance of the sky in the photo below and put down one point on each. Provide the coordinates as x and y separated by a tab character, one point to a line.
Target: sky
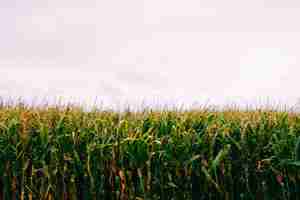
150	52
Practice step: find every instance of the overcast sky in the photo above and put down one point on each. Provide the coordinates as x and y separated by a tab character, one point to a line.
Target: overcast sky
159	51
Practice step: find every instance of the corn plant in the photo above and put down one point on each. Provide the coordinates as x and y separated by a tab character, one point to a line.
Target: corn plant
67	153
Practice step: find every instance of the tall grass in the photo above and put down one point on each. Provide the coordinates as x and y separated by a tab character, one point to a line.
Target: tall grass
67	153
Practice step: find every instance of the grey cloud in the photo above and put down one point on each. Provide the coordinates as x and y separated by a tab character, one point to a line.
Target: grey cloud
109	89
281	4
154	80
49	32
132	50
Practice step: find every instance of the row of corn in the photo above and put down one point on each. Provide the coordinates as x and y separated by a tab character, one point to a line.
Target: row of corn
68	154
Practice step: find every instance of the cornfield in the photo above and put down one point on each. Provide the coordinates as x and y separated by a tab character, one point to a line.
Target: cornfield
66	153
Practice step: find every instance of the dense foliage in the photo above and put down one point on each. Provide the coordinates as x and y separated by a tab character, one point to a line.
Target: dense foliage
66	153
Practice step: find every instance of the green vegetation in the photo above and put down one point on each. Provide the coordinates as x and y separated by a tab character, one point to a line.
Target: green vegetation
66	153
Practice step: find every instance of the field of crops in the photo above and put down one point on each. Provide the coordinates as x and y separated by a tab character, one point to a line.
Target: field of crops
65	153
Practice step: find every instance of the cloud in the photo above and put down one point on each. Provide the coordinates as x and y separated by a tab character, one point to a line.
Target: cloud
135	50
